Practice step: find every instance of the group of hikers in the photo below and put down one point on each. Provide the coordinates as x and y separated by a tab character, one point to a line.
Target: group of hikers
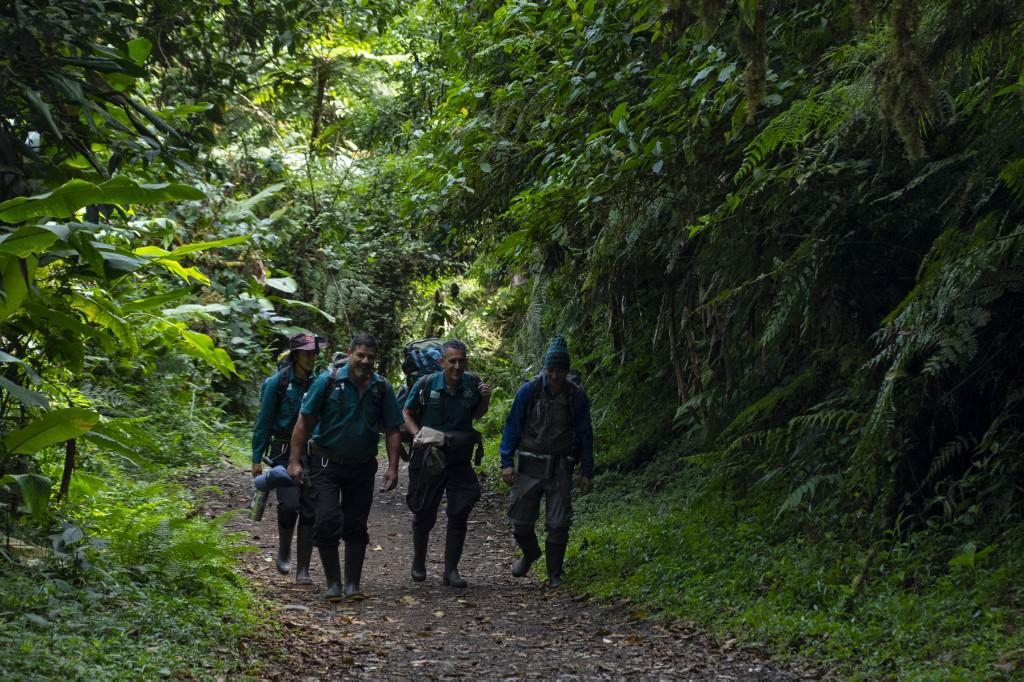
325	431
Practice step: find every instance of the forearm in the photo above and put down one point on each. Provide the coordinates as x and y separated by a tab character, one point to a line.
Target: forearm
410	424
482	407
300	434
392	443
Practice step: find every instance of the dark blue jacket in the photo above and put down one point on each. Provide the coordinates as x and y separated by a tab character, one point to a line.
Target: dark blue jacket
579	407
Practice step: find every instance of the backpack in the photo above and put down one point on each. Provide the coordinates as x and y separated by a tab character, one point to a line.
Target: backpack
419	358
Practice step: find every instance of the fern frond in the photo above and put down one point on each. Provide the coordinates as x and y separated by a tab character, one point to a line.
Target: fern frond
816	115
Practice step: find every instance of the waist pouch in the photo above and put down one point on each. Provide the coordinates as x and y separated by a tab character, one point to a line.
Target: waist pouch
534	465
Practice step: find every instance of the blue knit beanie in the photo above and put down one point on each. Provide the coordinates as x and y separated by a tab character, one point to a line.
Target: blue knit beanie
557	355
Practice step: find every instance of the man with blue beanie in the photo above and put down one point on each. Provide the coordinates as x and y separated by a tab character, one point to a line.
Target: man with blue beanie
547	431
280	399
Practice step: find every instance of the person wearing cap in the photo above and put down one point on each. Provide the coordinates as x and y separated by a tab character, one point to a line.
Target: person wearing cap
547	431
444	403
334	446
280	398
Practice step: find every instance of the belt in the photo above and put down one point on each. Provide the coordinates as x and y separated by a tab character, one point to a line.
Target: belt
317	450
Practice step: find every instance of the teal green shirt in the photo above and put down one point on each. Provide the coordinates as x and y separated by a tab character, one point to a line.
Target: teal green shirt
276	419
445	411
347	424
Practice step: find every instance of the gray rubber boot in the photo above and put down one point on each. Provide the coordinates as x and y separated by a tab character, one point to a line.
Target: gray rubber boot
354	556
303	553
554	554
454	540
332	572
531	552
285	528
420	540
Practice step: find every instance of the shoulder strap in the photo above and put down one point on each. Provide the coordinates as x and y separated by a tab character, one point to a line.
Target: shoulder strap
282	384
332	378
536	386
425	384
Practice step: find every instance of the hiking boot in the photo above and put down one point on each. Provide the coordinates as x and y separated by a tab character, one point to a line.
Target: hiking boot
554	554
531	552
419	555
454	540
303	553
332	572
354	555
284	545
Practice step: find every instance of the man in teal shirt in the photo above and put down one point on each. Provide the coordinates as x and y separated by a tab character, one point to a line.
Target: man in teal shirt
280	399
447	401
342	415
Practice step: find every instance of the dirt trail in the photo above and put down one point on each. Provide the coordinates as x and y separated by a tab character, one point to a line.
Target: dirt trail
498	628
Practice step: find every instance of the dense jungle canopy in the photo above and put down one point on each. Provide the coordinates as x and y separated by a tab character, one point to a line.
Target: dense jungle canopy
783	239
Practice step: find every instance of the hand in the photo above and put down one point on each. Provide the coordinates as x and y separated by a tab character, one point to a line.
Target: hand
508	474
257	469
295	471
485	390
585	484
390	480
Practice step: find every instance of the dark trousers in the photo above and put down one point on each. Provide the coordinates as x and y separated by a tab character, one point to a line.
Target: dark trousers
342	497
458	481
292	500
524	503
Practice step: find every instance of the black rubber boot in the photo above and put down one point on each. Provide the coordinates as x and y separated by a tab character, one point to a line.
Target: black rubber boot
419	555
454	539
303	553
531	552
285	528
332	572
554	554
354	555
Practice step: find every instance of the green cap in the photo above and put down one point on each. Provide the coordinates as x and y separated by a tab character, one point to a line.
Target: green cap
557	355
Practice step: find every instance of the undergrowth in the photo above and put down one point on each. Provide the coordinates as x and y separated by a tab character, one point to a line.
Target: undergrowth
928	609
128	580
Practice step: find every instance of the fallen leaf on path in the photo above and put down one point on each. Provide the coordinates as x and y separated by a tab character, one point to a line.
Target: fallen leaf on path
376	548
409	599
439	614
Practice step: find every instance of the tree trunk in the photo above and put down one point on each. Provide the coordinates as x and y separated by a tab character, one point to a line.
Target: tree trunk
70	450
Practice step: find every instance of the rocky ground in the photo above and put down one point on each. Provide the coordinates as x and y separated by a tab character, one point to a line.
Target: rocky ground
498	628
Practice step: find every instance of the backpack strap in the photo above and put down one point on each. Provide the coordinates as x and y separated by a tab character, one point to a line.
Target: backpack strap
538	386
282	385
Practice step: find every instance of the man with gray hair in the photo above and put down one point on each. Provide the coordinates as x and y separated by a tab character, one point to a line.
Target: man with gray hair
439	413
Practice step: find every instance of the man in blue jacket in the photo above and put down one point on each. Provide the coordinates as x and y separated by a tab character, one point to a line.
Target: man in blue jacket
280	398
547	431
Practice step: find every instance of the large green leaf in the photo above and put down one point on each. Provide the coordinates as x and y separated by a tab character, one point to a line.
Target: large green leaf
27	368
76	194
154	302
13	273
27	240
203	246
35	491
25	396
53	427
202	347
302	304
104	313
285	284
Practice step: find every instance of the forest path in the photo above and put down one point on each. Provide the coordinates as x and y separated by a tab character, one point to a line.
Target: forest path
498	628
